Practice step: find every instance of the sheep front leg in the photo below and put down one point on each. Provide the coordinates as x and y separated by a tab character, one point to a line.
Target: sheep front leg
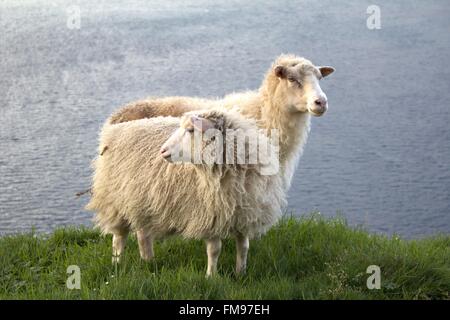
118	246
213	247
145	245
242	245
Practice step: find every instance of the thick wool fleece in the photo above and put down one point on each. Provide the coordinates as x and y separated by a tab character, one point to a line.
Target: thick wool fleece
135	188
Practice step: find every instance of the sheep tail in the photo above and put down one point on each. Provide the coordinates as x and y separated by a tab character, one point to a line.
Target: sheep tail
79	194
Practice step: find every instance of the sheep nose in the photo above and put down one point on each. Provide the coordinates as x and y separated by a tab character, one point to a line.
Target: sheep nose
165	153
321	102
319	106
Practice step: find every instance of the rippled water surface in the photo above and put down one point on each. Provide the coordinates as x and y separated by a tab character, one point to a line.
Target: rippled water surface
380	157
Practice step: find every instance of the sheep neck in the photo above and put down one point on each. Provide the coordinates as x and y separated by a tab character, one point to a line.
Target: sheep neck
293	127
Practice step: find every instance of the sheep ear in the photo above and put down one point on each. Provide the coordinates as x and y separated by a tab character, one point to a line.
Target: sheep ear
201	124
326	71
280	71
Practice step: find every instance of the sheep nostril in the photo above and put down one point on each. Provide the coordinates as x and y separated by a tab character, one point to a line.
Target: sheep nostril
319	102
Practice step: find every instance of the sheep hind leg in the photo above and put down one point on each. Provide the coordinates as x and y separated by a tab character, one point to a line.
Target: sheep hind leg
213	248
145	245
242	246
118	245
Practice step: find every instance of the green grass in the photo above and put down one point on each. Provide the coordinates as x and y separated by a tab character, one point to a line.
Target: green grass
311	258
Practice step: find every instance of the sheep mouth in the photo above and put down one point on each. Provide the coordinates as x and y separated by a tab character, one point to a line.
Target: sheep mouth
167	157
316	114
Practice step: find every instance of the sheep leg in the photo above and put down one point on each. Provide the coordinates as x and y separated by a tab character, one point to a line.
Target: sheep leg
145	245
118	246
242	245
213	247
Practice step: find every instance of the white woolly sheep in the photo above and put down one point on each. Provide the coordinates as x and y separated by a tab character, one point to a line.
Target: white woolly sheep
134	188
289	94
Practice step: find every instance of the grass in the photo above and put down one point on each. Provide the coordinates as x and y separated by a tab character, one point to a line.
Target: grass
309	258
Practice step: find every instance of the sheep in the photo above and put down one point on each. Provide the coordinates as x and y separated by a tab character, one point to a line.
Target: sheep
289	95
136	188
169	106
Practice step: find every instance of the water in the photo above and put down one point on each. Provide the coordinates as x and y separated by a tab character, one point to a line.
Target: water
380	157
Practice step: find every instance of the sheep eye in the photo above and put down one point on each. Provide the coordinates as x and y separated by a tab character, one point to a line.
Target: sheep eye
190	130
293	80
213	138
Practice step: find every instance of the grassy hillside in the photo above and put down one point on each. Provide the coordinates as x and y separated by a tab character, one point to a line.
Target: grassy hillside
311	258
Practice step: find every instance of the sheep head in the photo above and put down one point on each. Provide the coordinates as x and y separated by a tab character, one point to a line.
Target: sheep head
197	140
297	84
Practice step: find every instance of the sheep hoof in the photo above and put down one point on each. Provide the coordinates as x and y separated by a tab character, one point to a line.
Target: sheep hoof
147	258
115	260
241	273
210	275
